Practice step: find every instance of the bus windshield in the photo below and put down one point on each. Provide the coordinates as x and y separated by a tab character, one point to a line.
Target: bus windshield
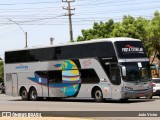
136	72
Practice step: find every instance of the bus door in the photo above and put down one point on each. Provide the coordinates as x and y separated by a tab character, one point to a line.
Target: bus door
105	84
115	79
14	84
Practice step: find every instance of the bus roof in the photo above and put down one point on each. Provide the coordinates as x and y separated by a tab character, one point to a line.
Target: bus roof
114	39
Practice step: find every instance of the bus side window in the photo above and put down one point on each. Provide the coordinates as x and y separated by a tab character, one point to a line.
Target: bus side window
57	53
42	74
107	69
55	76
89	76
115	74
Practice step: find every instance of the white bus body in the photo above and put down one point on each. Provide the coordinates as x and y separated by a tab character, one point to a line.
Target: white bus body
113	68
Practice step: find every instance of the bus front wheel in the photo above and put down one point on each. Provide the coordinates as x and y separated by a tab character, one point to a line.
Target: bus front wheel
98	95
24	94
33	94
124	99
149	97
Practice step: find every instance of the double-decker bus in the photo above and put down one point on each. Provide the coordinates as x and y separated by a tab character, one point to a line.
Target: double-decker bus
112	68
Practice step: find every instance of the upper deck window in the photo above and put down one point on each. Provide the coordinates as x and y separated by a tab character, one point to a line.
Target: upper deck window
78	51
130	49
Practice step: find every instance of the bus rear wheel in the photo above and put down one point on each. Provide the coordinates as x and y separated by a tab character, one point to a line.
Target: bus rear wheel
33	94
98	95
24	94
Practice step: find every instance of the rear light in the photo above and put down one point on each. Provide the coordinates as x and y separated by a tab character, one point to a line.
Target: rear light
153	85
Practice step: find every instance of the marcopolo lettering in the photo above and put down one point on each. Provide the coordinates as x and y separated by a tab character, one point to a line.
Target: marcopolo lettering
21	67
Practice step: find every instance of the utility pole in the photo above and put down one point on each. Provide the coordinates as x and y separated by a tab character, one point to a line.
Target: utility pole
26	39
70	18
25	33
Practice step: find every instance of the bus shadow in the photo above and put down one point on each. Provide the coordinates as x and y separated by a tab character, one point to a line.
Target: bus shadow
129	101
105	101
92	100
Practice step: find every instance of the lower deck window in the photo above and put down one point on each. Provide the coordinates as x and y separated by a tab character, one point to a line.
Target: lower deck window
89	76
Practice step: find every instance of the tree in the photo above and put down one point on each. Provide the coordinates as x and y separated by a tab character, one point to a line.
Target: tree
99	30
135	28
140	28
154	30
142	31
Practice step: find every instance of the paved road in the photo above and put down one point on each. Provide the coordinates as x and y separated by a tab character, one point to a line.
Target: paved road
8	103
15	103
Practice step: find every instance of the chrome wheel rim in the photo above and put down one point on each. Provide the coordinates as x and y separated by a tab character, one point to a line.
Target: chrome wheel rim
98	94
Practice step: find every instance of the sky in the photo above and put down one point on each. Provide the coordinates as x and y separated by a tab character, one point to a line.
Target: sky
43	19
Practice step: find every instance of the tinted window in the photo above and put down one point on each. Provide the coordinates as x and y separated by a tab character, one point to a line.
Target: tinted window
135	72
16	56
101	49
55	76
44	54
130	49
42	74
89	76
115	74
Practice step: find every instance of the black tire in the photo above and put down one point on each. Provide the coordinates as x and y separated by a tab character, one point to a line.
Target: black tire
33	94
24	94
98	95
124	100
149	97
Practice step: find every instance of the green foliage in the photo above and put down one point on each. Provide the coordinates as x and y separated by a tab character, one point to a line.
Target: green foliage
155	31
99	30
146	30
1	71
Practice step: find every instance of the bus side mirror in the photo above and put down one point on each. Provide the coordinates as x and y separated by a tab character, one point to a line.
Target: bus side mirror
124	71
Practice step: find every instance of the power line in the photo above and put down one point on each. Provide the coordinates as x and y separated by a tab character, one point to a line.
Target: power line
118	11
41	19
34	18
6	4
113	3
80	21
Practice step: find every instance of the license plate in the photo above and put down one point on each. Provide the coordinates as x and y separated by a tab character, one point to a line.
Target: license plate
140	94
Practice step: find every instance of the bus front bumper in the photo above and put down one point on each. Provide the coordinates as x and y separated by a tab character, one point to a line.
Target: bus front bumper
137	93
